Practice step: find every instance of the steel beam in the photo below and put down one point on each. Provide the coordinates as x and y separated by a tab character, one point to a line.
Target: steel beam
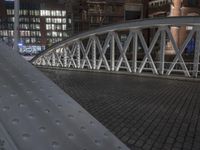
148	51
123	51
162	51
112	52
135	49
85	53
78	54
179	53
94	53
197	53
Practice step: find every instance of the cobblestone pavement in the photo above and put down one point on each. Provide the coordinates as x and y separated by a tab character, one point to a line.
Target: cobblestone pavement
145	113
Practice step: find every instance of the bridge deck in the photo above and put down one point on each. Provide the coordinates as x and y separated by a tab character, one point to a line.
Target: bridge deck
145	113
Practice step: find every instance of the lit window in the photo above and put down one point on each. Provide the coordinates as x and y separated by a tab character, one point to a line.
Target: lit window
64	20
54	34
58	27
53	27
37	13
12	19
37	20
59	20
64	27
58	13
48	13
27	40
48	20
69	20
53	13
10	33
42	13
45	13
31	12
28	33
10	12
63	13
48	26
48	33
37	26
56	20
60	34
33	40
25	12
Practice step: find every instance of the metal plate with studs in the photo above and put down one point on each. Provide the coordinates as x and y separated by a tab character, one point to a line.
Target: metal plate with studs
37	115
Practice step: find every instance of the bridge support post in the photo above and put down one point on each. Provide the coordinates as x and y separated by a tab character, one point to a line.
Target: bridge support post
135	46
112	52
197	52
65	57
78	55
53	60
162	51
94	53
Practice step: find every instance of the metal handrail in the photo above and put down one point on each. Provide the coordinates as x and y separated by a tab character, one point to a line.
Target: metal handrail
69	53
136	24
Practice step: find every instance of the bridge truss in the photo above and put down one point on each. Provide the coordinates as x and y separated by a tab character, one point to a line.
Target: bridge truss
124	47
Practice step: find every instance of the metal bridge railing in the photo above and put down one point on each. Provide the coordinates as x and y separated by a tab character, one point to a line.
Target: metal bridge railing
125	46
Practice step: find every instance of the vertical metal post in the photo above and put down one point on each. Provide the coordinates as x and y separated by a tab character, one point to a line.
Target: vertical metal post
65	57
94	54
78	54
112	52
43	62
53	60
135	47
197	52
162	52
16	25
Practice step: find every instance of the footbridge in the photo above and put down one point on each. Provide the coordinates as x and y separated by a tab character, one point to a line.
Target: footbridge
104	111
134	47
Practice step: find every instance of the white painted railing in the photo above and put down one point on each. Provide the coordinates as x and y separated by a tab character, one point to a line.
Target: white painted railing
158	3
116	47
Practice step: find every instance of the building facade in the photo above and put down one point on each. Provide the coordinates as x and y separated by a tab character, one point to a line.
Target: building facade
41	24
96	13
45	22
175	8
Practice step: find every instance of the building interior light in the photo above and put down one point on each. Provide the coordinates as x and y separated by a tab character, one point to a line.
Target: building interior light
20	44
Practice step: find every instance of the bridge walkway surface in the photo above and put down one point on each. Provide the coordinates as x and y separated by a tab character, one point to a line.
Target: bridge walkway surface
145	113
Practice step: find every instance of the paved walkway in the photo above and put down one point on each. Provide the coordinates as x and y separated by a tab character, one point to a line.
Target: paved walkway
145	113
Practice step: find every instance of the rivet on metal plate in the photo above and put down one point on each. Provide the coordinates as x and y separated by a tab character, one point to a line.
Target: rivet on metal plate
15	121
26	136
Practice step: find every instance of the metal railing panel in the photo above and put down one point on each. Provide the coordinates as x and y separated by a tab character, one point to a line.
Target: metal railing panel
113	52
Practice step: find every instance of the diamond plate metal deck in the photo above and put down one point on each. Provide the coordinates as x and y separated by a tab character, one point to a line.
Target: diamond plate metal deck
36	115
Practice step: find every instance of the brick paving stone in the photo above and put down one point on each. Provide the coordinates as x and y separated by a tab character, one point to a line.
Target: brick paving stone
131	141
147	147
167	146
145	113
